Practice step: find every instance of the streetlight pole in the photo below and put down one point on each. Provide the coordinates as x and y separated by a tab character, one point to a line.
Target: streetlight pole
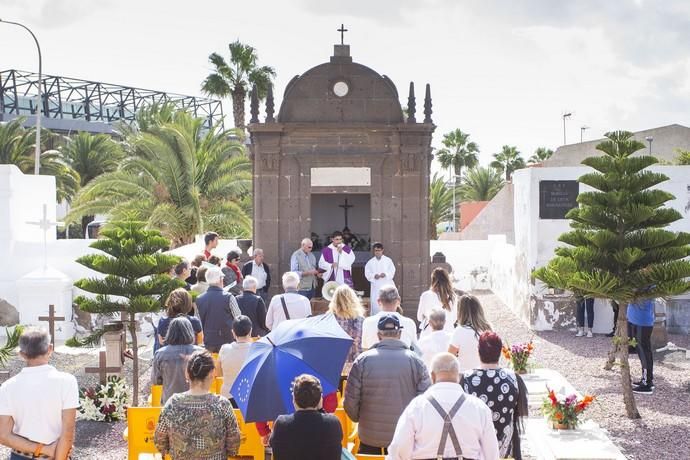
582	130
565	115
37	152
649	139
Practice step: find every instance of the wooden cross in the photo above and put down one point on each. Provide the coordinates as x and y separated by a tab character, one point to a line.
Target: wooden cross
45	224
51	318
342	31
102	369
346	207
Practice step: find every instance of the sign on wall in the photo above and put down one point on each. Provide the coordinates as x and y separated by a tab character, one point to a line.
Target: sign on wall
340	177
557	197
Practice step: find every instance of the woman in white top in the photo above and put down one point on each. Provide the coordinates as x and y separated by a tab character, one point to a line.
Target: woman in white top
440	296
465	340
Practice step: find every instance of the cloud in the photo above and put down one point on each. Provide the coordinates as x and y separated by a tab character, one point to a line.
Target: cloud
52	13
388	12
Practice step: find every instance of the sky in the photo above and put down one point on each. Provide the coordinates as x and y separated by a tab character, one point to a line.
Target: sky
502	71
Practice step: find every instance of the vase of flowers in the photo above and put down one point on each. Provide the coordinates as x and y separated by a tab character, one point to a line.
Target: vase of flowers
518	355
563	412
104	402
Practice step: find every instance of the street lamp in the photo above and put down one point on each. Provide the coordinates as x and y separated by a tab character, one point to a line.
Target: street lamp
37	153
565	115
582	130
649	139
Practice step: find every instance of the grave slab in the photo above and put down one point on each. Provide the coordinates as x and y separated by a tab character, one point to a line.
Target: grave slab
587	442
539	381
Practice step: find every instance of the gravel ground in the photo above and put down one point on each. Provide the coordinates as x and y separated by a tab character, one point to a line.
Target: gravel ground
94	440
664	430
662	433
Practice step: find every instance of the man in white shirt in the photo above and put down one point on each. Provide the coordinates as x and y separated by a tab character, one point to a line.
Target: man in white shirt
290	305
336	261
231	355
437	341
259	270
380	271
421	432
38	406
388	301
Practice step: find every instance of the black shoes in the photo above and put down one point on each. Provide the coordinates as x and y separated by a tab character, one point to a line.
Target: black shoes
611	334
643	389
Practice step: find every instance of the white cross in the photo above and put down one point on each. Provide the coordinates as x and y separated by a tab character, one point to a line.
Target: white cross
45	224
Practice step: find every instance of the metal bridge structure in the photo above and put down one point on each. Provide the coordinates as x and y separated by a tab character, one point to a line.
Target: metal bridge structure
71	104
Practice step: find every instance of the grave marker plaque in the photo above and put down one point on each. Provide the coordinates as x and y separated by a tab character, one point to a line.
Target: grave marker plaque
557	197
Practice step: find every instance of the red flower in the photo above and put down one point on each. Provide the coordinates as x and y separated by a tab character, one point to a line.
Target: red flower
552	397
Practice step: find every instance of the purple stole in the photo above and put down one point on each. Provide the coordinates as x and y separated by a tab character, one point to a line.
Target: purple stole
327	254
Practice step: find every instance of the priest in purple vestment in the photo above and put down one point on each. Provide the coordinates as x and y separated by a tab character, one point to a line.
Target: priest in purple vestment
336	261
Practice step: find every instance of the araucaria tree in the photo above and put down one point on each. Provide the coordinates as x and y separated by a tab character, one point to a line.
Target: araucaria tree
618	247
136	279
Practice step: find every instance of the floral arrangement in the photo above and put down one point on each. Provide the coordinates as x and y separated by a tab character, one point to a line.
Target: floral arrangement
104	403
518	355
564	411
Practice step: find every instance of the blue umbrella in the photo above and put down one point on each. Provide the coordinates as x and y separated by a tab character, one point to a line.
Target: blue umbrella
316	346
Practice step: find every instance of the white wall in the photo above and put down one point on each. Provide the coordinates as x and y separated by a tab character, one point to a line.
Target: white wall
466	256
536	239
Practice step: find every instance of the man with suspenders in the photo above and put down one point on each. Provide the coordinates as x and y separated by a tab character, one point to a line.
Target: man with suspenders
290	305
445	423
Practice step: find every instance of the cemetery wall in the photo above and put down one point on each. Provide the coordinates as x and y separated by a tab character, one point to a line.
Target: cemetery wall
536	239
466	258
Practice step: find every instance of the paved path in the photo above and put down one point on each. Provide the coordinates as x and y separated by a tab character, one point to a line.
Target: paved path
664	430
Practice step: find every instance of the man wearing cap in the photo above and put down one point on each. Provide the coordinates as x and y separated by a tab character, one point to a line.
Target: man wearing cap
383	380
389	302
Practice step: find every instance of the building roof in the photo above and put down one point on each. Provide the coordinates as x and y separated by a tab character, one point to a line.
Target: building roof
666	140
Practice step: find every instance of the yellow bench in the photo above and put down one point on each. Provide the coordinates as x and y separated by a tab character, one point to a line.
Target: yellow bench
141	426
157	392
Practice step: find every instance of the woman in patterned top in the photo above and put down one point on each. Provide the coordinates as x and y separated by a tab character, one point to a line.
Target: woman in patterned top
502	390
197	424
349	313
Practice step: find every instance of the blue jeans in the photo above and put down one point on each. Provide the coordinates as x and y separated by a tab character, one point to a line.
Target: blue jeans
582	305
309	293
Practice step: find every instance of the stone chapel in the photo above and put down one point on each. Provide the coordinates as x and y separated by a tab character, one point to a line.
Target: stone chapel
341	153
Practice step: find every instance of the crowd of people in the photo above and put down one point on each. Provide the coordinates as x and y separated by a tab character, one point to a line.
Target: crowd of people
402	380
435	390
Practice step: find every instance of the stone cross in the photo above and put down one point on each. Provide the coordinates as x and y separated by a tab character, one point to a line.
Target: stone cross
346	207
51	318
45	224
102	369
342	31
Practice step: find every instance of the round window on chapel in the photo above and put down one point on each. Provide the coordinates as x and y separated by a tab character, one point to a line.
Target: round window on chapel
341	89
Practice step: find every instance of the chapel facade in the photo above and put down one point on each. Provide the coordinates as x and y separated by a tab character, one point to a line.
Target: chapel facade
341	153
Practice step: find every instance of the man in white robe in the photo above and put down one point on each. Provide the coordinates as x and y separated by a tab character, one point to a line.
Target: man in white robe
336	261
380	271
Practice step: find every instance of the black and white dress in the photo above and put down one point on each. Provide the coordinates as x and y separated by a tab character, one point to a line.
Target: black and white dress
498	388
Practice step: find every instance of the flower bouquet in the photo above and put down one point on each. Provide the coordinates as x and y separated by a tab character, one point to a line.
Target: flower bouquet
104	403
564	412
518	355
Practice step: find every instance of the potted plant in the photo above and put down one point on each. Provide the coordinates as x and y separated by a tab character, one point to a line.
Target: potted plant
563	412
518	355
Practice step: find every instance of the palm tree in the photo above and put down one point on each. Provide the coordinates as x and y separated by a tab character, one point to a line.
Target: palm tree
17	148
237	78
91	155
480	184
440	204
508	160
540	155
457	153
179	178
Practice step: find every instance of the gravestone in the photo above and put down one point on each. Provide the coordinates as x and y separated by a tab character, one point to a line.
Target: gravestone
557	197
341	134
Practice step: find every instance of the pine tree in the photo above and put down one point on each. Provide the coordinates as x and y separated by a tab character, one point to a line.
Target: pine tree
618	246
136	280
